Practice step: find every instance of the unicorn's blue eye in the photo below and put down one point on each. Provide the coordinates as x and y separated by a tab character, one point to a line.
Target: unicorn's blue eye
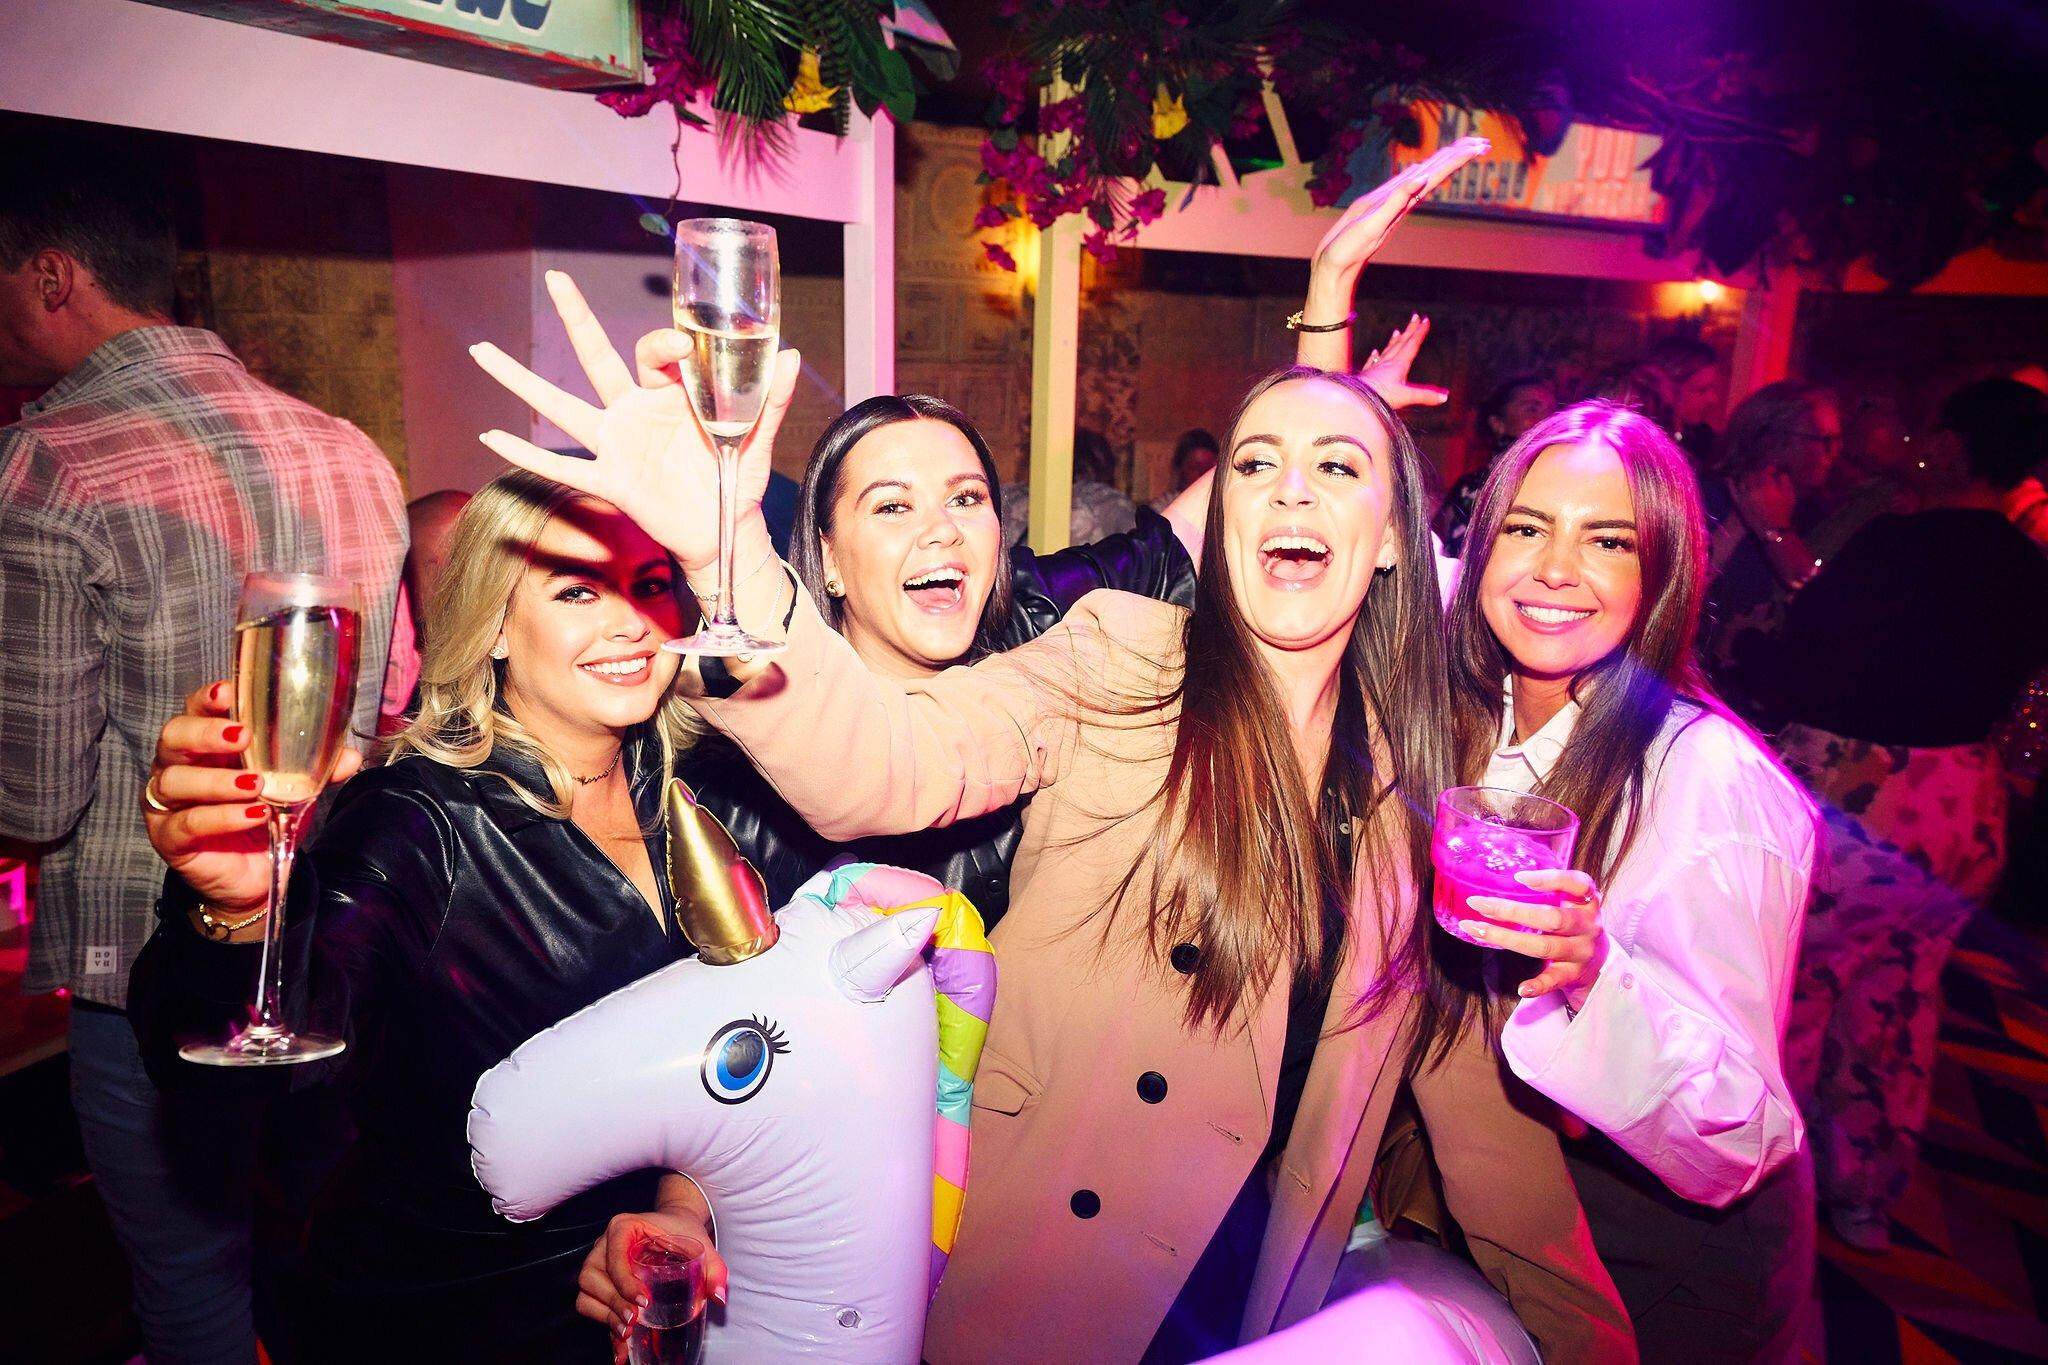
737	1061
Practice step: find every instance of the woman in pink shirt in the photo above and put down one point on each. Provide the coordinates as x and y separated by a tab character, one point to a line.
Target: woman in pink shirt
1667	962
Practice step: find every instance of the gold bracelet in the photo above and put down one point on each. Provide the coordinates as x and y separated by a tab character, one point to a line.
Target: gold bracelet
1295	324
220	930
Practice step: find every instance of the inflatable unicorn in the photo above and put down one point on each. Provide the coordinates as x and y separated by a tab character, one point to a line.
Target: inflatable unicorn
790	1071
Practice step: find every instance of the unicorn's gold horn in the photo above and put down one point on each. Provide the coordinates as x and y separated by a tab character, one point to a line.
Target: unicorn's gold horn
721	903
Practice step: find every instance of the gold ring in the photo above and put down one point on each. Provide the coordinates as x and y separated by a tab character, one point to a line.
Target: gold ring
152	800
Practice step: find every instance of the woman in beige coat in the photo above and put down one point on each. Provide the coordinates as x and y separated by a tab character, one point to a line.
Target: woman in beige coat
1213	974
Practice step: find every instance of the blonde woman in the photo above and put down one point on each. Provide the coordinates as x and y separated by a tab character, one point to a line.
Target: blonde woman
497	875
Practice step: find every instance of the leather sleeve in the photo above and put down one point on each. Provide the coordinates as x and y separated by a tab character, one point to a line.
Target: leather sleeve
365	902
1148	561
1507	1185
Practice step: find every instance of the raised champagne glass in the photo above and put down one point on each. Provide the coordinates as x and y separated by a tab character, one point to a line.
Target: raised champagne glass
728	299
297	640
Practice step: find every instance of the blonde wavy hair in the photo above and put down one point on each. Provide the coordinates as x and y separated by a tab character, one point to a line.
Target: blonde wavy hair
460	721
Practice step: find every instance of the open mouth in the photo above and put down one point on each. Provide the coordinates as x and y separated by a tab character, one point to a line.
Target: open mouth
1294	559
1551	616
939	590
619	672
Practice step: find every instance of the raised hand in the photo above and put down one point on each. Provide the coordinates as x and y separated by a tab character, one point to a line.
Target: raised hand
608	1291
649	454
1387	370
210	829
1365	226
1354	239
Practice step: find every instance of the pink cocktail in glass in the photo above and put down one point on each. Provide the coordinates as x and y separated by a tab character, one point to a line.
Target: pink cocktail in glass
1484	836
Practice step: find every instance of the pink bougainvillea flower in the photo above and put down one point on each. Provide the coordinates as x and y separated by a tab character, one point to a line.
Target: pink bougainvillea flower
1327	188
1061	116
999	255
990	216
1149	206
1098	245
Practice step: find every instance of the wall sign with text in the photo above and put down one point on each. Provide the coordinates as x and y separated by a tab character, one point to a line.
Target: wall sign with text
564	44
1595	176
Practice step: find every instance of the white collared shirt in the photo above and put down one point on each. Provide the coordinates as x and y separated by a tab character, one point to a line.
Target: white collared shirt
1675	1052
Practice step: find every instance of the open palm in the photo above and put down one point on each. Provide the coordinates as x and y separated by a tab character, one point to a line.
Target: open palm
1364	228
649	454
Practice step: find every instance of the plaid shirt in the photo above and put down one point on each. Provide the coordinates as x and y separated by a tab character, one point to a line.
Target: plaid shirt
133	497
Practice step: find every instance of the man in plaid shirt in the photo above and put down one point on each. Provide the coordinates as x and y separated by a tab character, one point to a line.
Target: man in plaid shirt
133	497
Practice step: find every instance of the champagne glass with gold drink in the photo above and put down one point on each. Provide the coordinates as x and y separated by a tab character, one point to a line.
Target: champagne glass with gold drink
296	646
728	299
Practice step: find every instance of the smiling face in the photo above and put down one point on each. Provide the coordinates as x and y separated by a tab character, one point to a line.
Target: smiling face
1307	503
584	629
914	543
1563	584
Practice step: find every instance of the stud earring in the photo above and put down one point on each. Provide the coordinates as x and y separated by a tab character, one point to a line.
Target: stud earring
499	651
834	588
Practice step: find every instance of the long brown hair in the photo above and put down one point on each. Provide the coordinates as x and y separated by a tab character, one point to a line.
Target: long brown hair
1628	696
1248	856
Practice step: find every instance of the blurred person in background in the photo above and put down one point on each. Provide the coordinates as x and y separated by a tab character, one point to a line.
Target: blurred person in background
1893	668
1771	463
134	495
1512	408
1194	455
1100	508
1689	379
1875	475
431	519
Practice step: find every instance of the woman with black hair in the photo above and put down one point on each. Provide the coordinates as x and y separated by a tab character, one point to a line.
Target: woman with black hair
898	542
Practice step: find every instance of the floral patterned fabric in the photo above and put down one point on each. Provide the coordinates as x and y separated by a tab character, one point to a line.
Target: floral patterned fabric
1914	842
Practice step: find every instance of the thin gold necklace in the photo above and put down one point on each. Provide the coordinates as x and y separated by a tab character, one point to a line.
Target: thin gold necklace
586	781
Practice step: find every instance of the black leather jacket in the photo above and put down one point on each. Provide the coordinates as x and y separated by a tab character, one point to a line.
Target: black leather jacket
437	922
973	855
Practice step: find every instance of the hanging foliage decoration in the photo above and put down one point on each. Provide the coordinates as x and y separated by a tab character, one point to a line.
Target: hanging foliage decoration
1759	168
761	60
1095	96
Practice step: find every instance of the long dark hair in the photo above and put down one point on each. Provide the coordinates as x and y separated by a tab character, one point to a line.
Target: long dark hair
823	477
1628	696
1248	856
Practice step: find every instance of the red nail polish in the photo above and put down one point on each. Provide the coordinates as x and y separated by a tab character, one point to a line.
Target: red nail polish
231	735
255	812
249	782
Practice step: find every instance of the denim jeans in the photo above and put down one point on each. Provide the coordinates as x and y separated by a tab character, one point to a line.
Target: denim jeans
176	1181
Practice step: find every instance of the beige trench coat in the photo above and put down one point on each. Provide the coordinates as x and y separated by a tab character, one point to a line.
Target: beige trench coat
1109	1139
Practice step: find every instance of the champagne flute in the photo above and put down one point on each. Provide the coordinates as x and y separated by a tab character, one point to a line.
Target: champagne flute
296	647
669	1328
728	299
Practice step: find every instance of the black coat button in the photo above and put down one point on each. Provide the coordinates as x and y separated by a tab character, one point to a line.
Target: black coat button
1085	1203
1151	1087
1185	957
